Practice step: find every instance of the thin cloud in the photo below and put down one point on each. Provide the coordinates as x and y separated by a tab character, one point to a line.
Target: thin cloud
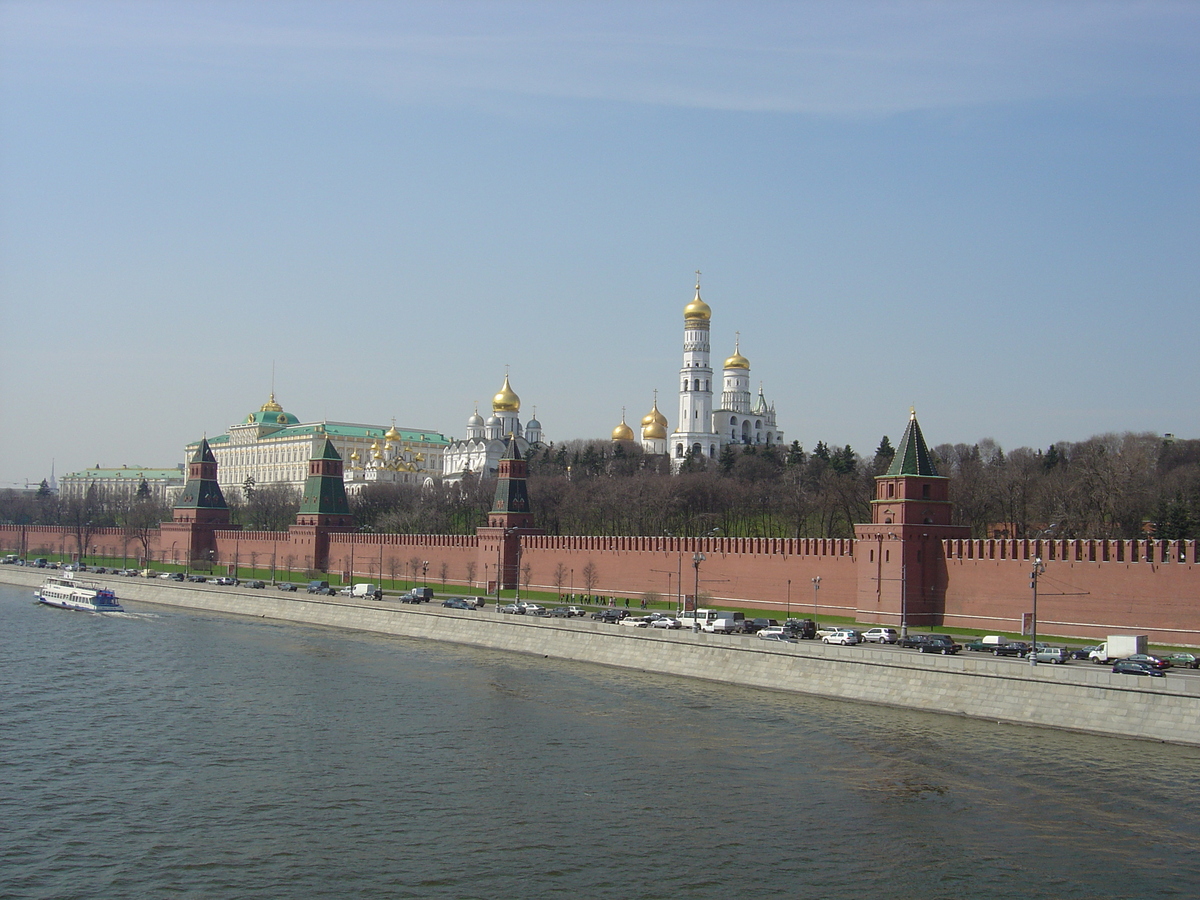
837	59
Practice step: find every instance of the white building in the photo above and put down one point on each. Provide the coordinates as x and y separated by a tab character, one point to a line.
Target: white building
161	484
273	447
486	441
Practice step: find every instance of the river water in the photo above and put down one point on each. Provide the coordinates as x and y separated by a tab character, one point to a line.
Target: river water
169	754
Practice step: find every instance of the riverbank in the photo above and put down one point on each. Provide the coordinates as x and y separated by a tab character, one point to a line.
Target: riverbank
1077	697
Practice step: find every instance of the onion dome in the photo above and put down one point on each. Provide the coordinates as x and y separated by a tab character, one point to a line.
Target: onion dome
654	431
697	310
493	421
354	455
392	434
506	400
622	432
737	361
476	420
271	405
654	417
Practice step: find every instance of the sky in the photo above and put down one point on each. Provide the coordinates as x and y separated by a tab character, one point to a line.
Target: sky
988	211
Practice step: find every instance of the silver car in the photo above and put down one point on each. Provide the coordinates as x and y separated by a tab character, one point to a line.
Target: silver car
881	635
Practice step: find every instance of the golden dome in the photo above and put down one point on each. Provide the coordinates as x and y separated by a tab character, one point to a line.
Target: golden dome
392	433
271	405
506	400
737	361
622	432
697	310
354	455
654	417
654	431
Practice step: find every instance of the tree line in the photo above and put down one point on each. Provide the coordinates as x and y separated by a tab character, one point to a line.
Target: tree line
1109	486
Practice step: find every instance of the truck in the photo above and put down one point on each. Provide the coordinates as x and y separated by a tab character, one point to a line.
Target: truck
1118	646
724	623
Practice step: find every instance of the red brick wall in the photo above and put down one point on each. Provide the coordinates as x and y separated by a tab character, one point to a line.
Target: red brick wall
1089	588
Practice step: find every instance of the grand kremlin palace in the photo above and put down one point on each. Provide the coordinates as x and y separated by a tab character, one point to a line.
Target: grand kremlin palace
274	447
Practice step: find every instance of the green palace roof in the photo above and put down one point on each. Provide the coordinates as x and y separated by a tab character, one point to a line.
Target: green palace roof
336	430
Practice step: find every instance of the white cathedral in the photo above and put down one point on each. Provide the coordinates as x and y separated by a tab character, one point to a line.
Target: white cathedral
485	443
702	430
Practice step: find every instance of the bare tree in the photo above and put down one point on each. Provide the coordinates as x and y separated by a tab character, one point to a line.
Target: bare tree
591	577
526	575
560	578
444	573
471	569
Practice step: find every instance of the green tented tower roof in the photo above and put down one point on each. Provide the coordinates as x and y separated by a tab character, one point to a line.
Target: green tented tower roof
912	457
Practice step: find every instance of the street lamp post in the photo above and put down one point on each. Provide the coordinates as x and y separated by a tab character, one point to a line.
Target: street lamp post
816	587
1039	568
789	599
424	573
696	560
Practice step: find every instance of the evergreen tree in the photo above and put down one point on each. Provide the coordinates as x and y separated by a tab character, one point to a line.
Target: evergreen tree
726	460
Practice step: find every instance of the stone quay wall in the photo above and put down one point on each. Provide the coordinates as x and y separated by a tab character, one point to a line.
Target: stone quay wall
1079	697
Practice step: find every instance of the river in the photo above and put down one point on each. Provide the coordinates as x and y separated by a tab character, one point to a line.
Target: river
163	753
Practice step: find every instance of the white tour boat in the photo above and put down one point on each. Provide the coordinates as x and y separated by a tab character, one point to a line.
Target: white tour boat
65	592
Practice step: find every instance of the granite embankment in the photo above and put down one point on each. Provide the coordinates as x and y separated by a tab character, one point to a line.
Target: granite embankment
1080	697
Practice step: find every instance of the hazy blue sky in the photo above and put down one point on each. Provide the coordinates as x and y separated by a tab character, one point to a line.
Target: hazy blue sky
988	210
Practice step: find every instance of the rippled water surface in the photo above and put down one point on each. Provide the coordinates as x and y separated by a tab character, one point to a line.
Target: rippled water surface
166	754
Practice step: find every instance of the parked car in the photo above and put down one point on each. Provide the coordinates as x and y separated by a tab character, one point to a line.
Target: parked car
754	626
912	641
843	636
801	628
777	636
577	611
939	643
611	616
197	579
513	609
174	576
1156	661
256	584
1012	648
286	586
1183	660
1082	652
532	609
225	579
1053	655
881	635
1137	667
666	622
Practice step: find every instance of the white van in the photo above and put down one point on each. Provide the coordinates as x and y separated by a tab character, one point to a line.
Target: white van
359	590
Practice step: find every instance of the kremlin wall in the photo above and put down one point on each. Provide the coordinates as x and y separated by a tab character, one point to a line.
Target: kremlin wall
909	565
